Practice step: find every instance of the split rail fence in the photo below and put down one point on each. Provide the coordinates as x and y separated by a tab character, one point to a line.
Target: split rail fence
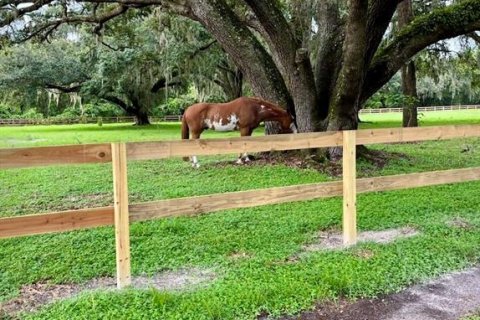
121	214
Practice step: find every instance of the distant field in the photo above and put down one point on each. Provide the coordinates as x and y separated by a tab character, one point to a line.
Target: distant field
92	133
257	253
432	118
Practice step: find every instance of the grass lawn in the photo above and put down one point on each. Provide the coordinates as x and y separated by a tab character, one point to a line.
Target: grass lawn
265	278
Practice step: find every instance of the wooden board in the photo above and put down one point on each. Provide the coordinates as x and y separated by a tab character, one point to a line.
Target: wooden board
89	218
232	200
99	153
252	198
395	135
179	148
55	222
349	220
121	216
415	180
47	156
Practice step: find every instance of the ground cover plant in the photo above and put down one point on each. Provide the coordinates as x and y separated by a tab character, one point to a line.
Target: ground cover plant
257	254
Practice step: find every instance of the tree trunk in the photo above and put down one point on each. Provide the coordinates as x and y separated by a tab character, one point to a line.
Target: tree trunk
244	48
292	60
409	87
409	78
141	116
230	79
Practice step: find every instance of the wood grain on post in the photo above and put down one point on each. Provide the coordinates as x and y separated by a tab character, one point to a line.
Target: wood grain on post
121	214
349	188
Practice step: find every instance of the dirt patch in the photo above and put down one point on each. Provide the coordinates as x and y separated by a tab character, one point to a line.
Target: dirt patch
334	241
36	295
239	255
20	141
446	298
318	162
459	223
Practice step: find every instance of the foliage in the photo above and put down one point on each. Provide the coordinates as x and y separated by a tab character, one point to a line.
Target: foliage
452	78
7	111
124	62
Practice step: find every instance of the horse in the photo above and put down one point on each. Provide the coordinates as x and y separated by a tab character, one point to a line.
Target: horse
243	114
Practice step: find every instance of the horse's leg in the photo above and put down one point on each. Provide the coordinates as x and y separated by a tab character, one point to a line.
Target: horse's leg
195	163
244	132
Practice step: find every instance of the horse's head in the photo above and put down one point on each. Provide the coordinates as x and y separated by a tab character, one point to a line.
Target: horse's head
288	124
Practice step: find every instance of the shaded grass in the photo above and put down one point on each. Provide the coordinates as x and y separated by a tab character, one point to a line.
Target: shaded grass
267	279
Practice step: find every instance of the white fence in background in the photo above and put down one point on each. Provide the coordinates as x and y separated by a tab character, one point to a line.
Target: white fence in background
422	109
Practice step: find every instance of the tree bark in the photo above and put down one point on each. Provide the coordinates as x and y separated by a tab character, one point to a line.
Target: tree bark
345	100
135	110
141	116
409	78
409	88
244	48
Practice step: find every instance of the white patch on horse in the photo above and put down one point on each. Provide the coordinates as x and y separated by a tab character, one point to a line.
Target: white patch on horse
231	125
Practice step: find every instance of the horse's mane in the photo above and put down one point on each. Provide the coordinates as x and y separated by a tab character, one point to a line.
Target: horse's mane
270	105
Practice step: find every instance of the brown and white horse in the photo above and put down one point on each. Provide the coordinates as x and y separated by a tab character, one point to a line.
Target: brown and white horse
244	114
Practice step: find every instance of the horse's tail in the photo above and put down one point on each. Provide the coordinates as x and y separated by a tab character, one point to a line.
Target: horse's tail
185	132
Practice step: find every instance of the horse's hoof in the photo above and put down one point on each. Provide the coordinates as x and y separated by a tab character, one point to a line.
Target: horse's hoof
195	165
239	161
247	159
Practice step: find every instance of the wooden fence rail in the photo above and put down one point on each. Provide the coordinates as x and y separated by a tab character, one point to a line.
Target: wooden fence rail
122	213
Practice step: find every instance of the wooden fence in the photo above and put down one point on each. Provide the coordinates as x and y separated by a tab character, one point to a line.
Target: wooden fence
122	213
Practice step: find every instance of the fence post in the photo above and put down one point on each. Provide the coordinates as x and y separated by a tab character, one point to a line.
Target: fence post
349	188
120	195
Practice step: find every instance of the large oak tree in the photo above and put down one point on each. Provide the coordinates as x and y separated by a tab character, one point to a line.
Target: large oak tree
321	59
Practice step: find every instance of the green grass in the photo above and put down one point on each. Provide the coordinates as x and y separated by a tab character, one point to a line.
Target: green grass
266	280
436	118
91	133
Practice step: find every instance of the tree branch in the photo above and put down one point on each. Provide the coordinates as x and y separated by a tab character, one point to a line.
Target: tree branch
444	23
202	48
74	87
291	59
48	27
243	47
474	37
161	83
119	102
380	13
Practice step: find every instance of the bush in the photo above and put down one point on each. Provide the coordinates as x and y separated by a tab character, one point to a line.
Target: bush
102	109
8	112
68	113
31	114
173	106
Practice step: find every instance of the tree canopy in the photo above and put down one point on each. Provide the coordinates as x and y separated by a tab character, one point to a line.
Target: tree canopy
320	59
